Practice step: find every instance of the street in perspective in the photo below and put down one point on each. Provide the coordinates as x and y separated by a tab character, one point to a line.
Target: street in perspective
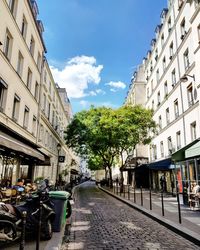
99	124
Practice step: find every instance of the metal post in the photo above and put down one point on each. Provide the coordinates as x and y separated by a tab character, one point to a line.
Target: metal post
162	201
141	196
129	191
113	188
150	200
117	187
179	207
39	227
124	191
22	241
134	194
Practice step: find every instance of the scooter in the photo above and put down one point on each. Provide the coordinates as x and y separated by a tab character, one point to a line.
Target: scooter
11	217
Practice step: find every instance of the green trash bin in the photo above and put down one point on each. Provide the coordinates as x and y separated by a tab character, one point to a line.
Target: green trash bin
59	199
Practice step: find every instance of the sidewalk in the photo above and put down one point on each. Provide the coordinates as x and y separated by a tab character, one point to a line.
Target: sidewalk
189	228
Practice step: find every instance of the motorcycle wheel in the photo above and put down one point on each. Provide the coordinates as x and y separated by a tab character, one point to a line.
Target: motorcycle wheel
68	210
47	230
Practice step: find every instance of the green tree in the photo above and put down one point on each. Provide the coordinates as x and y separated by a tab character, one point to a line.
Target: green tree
103	134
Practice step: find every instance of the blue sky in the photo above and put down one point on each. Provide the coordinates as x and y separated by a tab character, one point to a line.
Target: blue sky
94	46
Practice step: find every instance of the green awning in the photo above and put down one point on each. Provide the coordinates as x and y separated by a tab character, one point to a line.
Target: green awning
193	150
181	155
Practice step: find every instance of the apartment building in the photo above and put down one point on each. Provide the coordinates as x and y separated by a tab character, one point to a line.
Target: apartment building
172	91
32	115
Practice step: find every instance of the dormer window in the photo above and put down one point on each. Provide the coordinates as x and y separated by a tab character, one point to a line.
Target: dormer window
163	15
35	9
153	42
40	26
157	30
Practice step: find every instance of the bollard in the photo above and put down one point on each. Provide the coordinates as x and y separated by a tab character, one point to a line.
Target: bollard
134	195
179	208
128	191
124	191
22	240
141	196
162	201
39	227
117	187
150	200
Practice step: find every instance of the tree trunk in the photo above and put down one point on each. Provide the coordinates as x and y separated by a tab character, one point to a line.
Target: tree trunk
110	177
121	181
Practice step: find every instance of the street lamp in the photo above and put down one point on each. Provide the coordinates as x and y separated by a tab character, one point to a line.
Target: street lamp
57	172
184	78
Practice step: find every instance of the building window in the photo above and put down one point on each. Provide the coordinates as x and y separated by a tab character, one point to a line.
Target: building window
29	79
158	98
169	142
24	27
148	93
154	152
41	133
36	95
182	28
178	140
176	110
151	86
32	46
162	40
16	104
53	118
190	95
39	60
180	4
161	149
156	55
157	75
193	131
8	45
20	64
34	125
166	89
13	7
45	76
3	94
169	23
26	117
167	116
164	64
44	103
171	50
160	122
186	59
173	78
153	105
198	31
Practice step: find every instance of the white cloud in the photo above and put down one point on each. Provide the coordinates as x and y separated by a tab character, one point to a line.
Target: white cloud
117	85
113	90
84	103
100	91
96	92
77	74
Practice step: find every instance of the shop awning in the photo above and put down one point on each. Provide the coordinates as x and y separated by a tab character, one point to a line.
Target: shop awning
181	154
11	143
161	165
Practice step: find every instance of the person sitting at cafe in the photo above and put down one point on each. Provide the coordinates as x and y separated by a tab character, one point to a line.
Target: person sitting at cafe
20	182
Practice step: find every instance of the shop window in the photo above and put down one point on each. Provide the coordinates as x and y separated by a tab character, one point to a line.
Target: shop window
16	105
3	94
26	117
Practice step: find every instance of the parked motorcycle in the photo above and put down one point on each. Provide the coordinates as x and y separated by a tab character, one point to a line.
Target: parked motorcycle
11	217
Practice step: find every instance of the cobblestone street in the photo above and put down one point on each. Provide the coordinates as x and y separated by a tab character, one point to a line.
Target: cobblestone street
99	221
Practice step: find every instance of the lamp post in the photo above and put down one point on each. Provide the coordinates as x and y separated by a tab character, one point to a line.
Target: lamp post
57	171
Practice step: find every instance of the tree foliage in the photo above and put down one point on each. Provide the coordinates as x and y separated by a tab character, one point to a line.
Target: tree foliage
101	134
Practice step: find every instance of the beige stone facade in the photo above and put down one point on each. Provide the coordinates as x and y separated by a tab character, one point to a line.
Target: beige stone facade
32	114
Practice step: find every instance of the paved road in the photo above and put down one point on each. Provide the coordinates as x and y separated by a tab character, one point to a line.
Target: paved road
100	222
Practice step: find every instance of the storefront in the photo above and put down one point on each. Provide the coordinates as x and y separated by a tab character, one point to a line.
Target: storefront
187	166
17	159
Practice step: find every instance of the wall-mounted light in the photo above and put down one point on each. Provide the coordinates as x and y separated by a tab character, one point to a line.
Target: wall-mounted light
185	78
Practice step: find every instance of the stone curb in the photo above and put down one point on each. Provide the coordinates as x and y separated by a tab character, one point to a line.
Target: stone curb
184	232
